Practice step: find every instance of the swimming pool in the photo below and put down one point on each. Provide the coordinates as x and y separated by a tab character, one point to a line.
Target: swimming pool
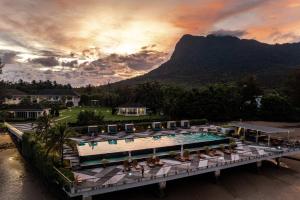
138	146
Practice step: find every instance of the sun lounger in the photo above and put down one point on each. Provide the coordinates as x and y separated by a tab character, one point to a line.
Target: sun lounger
203	163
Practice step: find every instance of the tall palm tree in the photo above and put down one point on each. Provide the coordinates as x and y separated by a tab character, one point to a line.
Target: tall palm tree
43	126
58	137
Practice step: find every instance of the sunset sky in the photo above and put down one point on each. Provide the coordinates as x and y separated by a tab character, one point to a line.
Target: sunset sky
98	41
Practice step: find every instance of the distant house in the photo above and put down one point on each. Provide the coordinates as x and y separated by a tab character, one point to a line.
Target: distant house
32	112
66	96
132	110
11	96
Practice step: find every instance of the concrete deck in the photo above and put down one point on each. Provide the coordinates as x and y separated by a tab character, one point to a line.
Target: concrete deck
114	178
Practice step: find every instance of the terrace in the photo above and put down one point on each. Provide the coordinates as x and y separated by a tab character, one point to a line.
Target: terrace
105	179
163	157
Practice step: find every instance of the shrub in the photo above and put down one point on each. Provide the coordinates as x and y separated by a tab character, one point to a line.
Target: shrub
89	118
104	162
186	153
222	147
207	149
172	154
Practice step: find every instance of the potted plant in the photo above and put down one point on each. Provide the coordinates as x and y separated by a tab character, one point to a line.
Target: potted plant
104	162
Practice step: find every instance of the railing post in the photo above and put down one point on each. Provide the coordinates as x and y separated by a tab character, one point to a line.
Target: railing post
217	175
162	186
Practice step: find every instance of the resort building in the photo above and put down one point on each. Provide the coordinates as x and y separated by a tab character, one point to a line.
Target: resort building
171	125
185	124
132	110
11	96
112	128
66	96
28	113
129	128
156	126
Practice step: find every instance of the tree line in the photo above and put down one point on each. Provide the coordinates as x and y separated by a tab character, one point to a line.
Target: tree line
244	99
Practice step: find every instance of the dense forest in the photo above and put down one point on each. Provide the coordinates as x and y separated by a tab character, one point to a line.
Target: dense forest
244	99
33	86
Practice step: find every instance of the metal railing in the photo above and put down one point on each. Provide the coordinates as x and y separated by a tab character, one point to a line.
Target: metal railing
179	171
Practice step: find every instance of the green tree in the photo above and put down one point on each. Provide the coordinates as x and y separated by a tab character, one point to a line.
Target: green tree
84	100
89	118
150	94
292	88
43	126
60	136
275	107
26	101
4	115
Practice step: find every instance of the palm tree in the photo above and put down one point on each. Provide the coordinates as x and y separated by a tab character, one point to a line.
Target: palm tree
60	136
43	126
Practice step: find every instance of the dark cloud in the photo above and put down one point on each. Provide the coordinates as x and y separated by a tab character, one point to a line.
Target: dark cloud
8	57
277	36
143	60
45	61
223	32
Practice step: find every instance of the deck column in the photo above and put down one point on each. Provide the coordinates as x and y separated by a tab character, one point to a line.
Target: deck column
181	151
162	186
256	136
269	138
129	156
278	162
86	197
258	164
154	152
217	175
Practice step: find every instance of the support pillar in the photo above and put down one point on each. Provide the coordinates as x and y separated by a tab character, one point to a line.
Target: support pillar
162	187
129	156
217	175
181	151
84	197
256	136
269	140
278	162
154	152
258	165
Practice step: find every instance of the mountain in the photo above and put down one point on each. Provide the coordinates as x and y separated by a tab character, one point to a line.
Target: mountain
200	60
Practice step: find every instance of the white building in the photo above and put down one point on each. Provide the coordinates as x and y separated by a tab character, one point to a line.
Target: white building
28	113
132	110
66	96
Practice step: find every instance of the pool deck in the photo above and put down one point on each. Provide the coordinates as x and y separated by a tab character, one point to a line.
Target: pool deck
113	178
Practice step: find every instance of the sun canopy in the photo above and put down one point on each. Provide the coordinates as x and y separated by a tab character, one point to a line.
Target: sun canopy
264	129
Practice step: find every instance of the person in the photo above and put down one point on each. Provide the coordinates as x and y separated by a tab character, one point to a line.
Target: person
143	170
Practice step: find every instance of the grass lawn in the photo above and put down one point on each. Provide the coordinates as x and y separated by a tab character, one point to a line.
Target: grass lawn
70	115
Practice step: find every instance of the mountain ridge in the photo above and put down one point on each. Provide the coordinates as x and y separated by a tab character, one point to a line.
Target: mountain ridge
199	60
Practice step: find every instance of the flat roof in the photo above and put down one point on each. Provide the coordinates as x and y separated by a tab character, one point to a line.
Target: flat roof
264	129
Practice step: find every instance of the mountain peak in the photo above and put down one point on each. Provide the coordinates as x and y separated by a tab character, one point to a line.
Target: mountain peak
213	58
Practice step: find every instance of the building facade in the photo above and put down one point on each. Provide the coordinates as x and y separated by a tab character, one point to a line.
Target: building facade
66	96
132	110
28	113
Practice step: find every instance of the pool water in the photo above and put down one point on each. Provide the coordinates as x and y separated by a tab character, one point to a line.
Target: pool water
126	145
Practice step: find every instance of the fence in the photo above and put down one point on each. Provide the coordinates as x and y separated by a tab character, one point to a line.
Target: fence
177	171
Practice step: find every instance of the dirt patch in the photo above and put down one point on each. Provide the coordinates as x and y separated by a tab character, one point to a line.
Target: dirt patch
6	142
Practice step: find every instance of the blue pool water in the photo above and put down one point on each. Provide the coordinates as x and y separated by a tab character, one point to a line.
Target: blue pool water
125	145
